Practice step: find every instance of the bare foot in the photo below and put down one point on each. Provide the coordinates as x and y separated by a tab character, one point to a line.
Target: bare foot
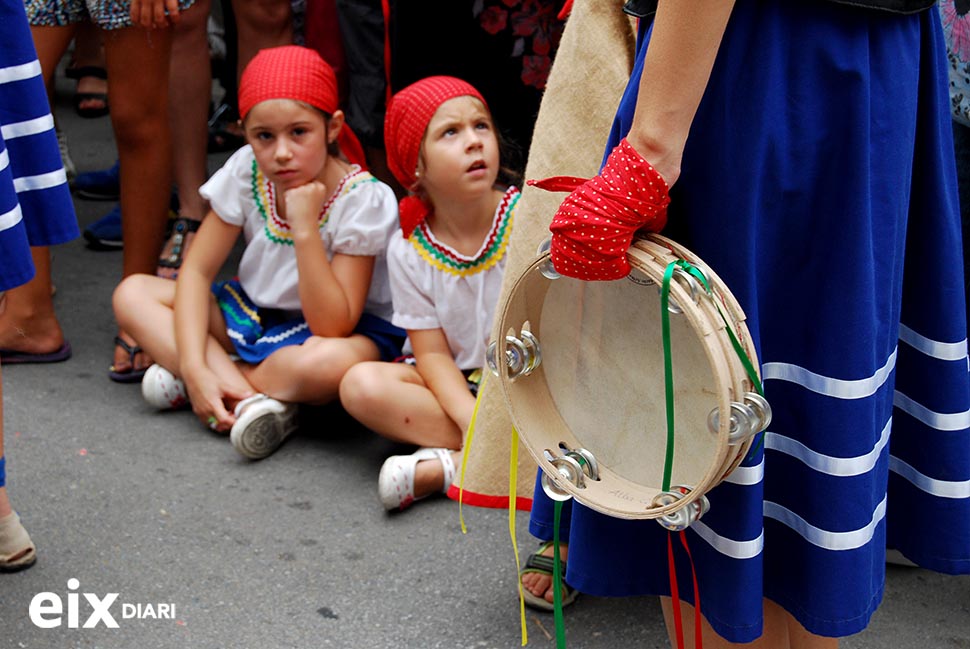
93	93
540	584
126	362
31	333
429	475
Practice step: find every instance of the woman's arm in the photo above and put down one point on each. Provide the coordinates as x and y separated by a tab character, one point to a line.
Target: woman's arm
676	68
437	367
631	191
332	292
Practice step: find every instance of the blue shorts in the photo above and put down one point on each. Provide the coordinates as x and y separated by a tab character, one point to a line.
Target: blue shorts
258	332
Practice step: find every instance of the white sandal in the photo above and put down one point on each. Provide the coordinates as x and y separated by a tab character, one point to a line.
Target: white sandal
15	542
162	389
395	486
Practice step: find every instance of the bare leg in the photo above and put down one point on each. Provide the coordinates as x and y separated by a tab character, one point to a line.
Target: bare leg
799	637
392	400
311	372
781	630
190	83
261	24
27	319
137	59
191	87
88	52
144	306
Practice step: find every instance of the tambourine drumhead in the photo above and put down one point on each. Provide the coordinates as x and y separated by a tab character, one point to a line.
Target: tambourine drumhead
600	385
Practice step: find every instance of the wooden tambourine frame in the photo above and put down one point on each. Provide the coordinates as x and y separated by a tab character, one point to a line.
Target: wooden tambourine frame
584	369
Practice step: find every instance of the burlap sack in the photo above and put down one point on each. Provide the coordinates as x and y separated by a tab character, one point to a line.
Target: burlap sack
591	69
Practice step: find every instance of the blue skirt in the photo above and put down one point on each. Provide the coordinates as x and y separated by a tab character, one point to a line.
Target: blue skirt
35	202
819	183
258	332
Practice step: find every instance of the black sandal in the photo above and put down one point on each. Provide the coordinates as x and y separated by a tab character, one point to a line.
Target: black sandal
131	375
79	73
181	228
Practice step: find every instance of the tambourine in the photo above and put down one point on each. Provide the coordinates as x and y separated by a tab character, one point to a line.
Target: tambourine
582	371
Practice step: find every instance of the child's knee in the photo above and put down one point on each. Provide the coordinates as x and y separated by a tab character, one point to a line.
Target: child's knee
361	386
133	292
322	364
128	292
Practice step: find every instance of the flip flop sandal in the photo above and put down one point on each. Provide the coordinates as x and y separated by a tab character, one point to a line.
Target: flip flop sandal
14	357
131	375
177	244
17	551
79	97
541	564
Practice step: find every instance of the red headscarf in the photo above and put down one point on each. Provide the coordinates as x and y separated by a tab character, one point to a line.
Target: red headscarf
407	119
299	73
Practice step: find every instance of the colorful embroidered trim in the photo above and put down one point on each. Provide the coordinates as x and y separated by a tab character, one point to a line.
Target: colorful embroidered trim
264	193
248	318
445	259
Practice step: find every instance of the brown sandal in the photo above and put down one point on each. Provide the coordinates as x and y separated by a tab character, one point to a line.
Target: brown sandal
17	551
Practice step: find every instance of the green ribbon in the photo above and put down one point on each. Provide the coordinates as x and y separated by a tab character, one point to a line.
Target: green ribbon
668	370
557	579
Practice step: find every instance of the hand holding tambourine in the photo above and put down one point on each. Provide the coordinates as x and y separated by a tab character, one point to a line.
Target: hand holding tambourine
595	225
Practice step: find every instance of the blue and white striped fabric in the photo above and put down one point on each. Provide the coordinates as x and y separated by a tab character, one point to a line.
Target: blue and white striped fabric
35	202
819	182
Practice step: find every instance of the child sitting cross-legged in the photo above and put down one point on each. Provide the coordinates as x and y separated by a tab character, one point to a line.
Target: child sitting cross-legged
446	273
312	296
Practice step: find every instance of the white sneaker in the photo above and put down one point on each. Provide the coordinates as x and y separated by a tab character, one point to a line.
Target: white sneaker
395	485
70	170
262	423
162	389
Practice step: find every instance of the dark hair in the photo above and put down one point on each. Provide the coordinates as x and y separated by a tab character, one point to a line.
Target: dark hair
509	152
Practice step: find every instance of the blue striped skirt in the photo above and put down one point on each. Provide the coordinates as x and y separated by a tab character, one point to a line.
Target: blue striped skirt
35	202
819	183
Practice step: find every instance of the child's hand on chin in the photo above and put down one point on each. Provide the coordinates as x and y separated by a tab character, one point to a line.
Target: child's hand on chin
304	204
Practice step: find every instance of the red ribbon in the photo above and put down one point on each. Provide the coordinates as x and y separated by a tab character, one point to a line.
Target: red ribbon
413	211
675	595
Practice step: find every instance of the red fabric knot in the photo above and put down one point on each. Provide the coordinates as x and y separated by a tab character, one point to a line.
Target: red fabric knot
288	72
407	119
413	211
595	224
297	73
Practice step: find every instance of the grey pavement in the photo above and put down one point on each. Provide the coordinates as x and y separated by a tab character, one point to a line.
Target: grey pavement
293	551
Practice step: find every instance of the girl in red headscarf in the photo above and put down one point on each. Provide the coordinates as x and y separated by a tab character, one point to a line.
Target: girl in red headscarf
446	273
311	297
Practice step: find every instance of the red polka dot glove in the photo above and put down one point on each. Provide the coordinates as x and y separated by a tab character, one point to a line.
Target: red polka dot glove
594	226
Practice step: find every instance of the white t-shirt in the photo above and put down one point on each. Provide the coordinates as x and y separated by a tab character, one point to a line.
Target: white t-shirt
436	287
358	219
